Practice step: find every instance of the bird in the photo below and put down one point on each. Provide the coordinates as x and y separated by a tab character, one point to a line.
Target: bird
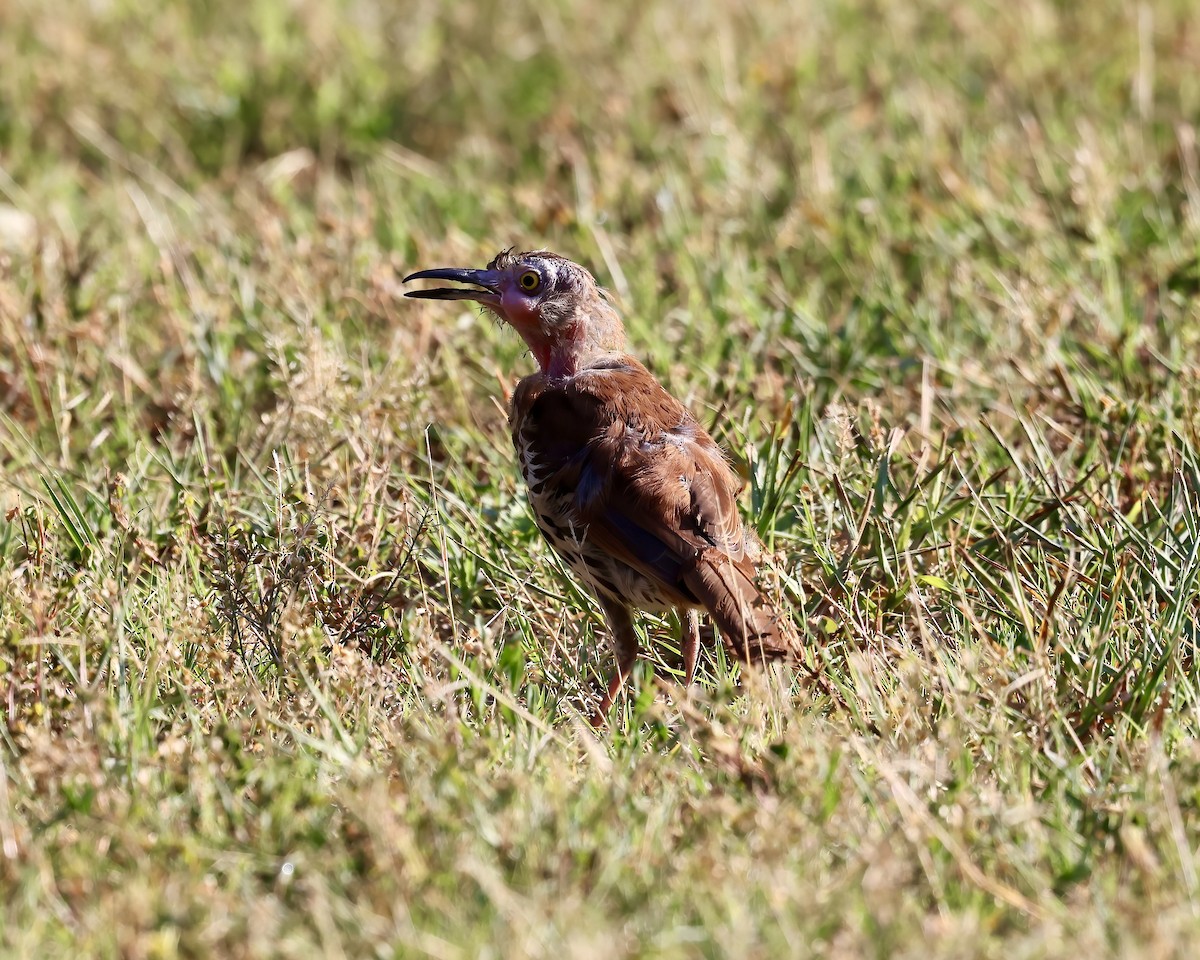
624	483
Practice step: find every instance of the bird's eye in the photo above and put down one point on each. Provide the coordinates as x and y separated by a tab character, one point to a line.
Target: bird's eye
529	281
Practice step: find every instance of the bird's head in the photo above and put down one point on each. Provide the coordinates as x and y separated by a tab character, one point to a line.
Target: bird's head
554	304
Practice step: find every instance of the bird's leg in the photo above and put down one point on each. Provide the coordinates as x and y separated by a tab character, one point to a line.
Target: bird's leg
625	645
690	646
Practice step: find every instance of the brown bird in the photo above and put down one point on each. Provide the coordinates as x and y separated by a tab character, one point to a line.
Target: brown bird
624	482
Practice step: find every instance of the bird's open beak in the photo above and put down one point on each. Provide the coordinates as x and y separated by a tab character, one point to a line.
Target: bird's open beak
489	280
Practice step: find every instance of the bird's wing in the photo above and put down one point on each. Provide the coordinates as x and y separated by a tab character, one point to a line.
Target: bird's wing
650	484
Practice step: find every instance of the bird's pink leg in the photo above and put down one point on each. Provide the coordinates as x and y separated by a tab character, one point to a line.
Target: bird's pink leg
690	646
625	644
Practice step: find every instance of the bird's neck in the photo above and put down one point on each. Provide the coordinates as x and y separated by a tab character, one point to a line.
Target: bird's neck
583	339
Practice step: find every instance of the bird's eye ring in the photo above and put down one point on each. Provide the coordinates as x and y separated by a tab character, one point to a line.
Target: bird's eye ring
529	281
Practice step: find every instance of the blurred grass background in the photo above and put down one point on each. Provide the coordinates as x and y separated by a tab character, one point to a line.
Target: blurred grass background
284	666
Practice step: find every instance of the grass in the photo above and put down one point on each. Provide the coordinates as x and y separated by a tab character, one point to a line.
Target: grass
285	668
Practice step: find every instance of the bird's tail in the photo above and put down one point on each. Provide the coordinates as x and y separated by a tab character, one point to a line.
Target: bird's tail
750	625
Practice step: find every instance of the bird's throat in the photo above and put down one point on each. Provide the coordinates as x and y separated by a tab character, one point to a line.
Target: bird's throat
558	357
568	348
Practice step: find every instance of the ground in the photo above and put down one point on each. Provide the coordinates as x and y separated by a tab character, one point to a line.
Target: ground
285	669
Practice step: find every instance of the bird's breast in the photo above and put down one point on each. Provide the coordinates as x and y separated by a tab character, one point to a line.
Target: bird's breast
554	494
